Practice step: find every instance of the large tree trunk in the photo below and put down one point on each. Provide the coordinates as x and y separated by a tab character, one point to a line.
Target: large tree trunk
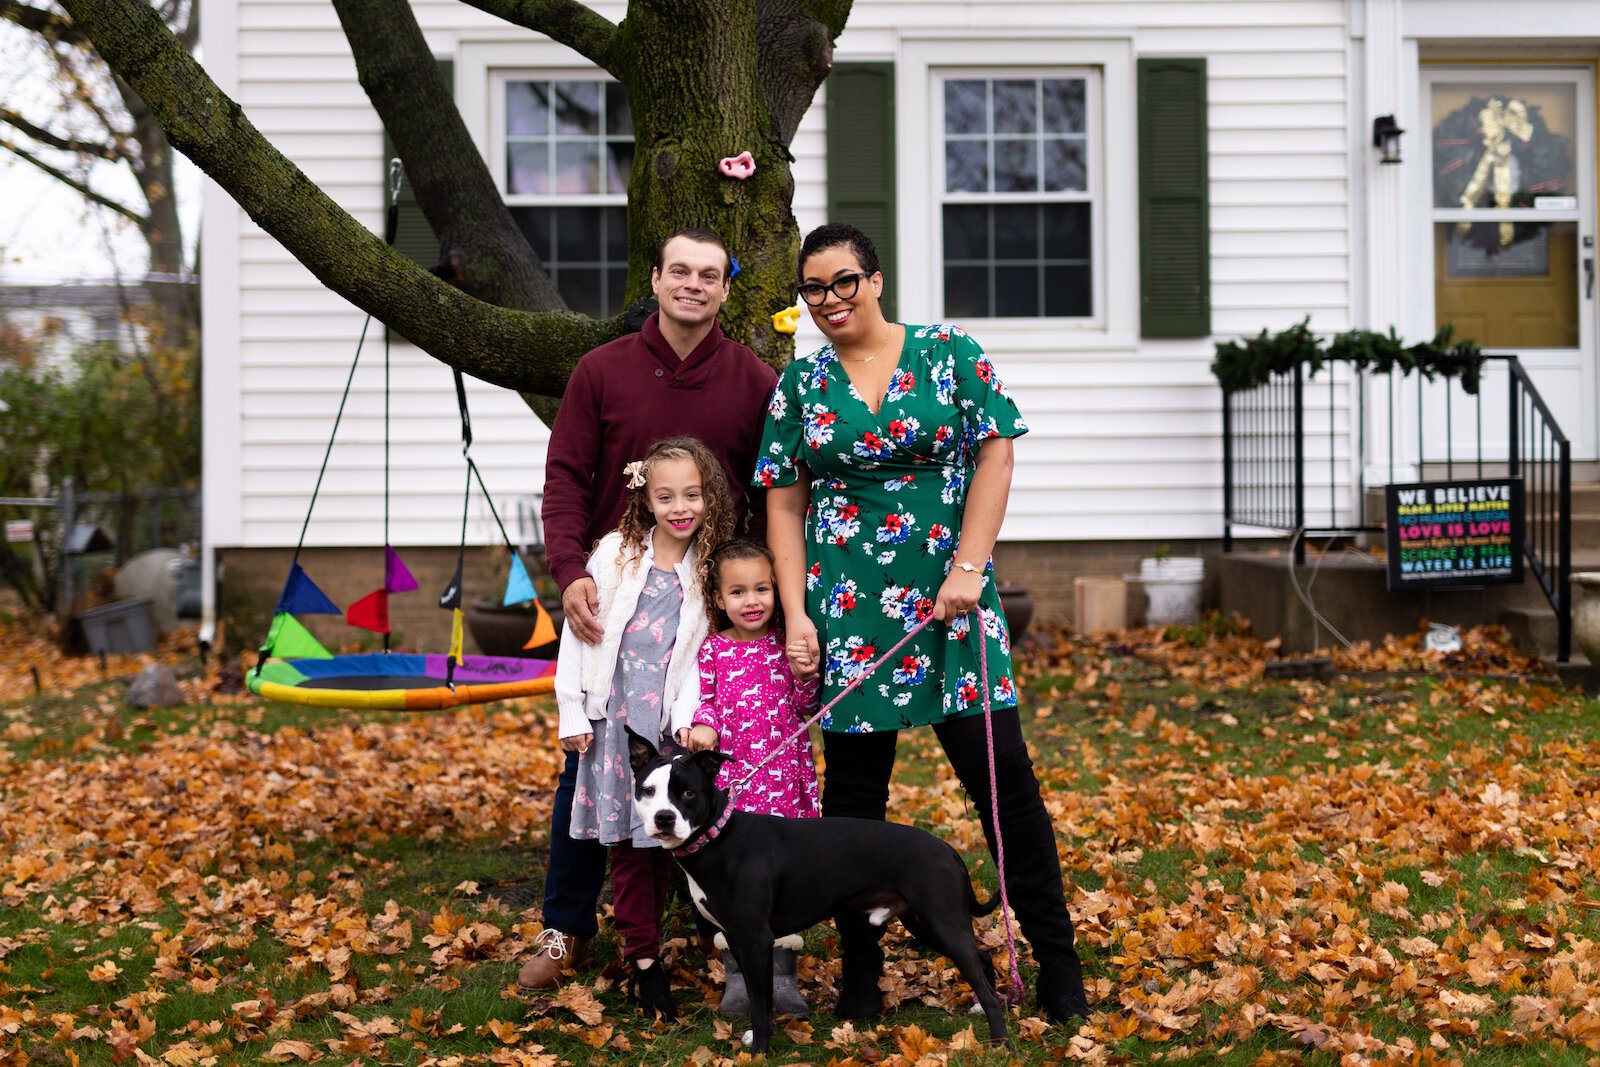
692	72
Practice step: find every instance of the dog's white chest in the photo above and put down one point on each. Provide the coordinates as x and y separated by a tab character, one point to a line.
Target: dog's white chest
698	895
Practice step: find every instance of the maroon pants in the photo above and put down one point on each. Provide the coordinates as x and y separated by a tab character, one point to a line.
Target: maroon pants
639	881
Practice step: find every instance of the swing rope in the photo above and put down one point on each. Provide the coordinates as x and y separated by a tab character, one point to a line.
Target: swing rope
472	466
345	396
390	229
391	224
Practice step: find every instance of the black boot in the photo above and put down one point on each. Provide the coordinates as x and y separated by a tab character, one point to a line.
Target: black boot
786	998
735	994
648	986
1060	992
859	995
1033	875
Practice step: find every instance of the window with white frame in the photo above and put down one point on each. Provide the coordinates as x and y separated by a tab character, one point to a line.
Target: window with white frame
1017	210
566	150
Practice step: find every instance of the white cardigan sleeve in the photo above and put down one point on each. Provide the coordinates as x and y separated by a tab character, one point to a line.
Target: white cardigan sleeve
569	686
687	699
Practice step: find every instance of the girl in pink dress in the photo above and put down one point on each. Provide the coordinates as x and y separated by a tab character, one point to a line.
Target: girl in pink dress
750	706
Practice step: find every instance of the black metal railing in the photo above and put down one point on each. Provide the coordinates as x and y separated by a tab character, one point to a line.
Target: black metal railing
1542	456
1266	466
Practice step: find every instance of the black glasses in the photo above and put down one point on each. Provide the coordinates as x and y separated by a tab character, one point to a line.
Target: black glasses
844	287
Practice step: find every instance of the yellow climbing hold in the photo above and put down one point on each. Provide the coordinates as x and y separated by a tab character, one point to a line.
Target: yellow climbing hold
787	320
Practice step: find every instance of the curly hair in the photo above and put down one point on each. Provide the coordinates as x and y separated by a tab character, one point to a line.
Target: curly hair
837	234
716	521
727	552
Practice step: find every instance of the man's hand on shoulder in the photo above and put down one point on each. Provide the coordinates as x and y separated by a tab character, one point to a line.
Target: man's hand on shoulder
581	602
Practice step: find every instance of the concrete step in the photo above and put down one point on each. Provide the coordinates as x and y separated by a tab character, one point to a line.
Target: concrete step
1349	591
1577	673
1533	629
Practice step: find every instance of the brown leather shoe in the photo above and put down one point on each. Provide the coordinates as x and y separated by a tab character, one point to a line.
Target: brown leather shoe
557	954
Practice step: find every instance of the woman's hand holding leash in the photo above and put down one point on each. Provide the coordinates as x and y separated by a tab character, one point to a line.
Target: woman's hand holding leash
958	594
578	743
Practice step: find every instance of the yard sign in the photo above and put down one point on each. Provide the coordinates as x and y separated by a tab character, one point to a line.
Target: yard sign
1454	533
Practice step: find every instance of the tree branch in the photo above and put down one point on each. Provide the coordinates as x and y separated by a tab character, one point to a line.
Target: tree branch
569	22
831	13
65	144
526	351
44	22
478	238
795	43
80	187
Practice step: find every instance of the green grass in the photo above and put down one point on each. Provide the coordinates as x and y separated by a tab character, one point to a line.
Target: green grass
1209	807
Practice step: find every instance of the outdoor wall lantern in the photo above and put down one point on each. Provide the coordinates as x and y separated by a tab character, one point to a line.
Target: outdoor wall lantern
1386	138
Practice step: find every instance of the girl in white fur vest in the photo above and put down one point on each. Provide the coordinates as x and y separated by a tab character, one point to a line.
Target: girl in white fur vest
643	674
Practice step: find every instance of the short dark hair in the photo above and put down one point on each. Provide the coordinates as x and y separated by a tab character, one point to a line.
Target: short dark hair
704	236
833	235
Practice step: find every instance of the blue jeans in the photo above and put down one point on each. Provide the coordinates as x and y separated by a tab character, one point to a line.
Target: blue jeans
577	869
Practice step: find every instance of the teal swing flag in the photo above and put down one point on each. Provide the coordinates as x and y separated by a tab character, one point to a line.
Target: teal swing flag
519	587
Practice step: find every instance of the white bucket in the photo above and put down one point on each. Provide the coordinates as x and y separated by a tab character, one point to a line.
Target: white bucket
1172	568
1172	589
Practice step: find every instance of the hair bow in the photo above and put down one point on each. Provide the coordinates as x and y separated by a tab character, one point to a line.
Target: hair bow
635	473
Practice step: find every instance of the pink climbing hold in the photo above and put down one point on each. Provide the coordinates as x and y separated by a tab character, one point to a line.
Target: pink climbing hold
740	166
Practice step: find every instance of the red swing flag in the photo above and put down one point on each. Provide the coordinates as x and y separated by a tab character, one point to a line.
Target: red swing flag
371	612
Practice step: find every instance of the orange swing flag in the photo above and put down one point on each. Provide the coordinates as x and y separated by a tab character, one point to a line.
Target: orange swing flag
544	628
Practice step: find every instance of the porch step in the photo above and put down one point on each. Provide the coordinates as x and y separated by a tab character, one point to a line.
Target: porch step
1349	592
1533	629
1577	673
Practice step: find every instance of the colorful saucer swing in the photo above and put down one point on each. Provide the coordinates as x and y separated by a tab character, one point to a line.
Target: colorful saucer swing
294	667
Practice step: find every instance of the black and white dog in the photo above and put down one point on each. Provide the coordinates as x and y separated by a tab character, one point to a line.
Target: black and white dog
759	877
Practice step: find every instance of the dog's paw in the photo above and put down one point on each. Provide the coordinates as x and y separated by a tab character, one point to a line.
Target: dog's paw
748	1039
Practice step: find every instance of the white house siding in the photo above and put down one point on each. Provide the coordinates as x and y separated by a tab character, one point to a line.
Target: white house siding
1126	433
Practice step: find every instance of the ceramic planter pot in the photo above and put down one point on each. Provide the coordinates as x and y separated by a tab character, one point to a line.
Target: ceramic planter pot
502	631
1016	601
1586	614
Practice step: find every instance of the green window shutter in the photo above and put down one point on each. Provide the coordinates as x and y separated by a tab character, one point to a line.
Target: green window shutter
1174	205
413	235
861	154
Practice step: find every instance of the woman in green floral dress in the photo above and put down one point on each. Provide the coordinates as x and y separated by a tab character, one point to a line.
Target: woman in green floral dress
887	457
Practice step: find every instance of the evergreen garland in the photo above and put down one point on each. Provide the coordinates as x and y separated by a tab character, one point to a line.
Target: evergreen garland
1245	364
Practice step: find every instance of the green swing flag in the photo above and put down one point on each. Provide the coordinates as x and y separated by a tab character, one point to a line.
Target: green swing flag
290	640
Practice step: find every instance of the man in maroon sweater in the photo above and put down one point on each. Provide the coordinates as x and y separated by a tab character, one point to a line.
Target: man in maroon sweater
678	375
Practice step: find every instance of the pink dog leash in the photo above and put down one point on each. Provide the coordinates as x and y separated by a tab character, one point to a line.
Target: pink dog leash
733	790
1014	994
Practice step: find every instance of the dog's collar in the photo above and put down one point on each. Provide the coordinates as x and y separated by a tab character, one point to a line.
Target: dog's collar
700	840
